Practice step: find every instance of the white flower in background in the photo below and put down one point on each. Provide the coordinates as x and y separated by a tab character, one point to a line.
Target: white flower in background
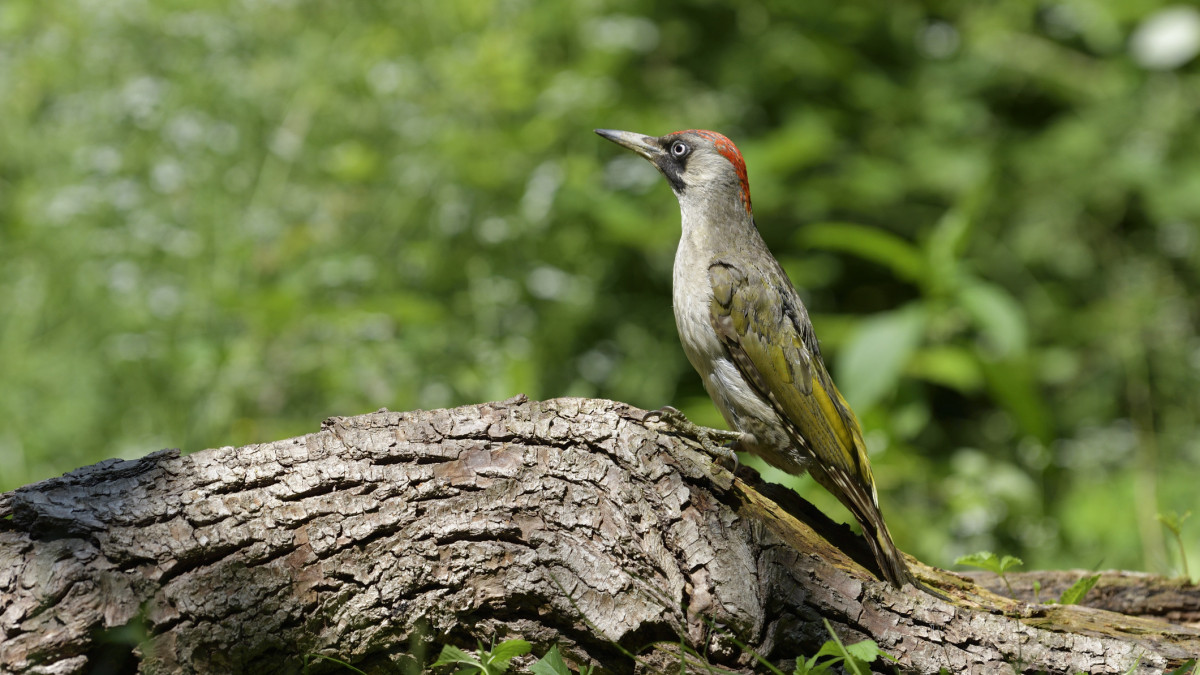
1167	39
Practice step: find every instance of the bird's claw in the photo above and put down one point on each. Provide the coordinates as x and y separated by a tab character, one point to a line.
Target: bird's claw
668	414
710	439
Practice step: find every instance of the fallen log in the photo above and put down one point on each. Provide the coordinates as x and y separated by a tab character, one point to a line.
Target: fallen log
568	522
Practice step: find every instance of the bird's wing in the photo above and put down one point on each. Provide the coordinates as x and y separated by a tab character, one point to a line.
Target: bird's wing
760	320
758	316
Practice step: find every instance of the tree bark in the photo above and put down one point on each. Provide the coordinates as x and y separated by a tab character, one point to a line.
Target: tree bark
1133	593
571	522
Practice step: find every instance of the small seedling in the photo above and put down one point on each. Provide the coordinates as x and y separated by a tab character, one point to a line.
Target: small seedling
1173	521
1075	593
988	561
484	661
1037	591
552	664
854	658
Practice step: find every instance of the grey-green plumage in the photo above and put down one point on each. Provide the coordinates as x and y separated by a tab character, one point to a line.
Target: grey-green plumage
757	315
746	332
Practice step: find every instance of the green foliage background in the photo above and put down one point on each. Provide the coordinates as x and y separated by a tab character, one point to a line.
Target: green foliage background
223	222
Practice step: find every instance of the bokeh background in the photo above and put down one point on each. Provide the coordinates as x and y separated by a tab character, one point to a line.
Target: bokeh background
221	222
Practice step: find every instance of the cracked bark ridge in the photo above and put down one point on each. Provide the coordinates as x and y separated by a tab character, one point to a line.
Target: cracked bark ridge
384	535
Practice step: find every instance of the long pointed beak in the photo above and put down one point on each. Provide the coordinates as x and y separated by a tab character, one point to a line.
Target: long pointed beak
646	146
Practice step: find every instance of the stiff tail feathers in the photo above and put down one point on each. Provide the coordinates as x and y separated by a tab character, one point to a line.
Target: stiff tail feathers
889	558
862	504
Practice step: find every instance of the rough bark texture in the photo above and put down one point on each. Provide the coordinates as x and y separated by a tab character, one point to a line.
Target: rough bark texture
1132	593
568	522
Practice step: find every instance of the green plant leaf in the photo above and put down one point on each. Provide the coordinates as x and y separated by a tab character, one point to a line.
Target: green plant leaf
1008	562
865	651
1188	668
871	363
451	654
989	561
902	257
1000	318
1173	520
949	366
550	664
849	662
1075	593
1002	322
830	648
981	559
507	650
833	653
811	667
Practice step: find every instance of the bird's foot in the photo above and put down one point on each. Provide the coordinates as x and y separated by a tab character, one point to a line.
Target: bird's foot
712	440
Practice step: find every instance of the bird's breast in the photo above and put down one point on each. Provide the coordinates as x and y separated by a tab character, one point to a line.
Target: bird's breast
740	404
691	295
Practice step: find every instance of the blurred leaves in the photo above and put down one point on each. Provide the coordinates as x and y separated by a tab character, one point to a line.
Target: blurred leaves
871	363
1000	319
879	246
220	224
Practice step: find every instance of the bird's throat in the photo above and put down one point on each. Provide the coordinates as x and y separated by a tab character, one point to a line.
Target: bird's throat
714	225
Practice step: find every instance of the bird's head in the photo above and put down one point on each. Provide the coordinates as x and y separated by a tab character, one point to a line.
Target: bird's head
700	165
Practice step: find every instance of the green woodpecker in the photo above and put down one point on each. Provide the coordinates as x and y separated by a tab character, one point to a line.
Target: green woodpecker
747	333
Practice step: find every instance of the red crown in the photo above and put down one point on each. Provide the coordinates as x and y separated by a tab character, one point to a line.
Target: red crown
730	152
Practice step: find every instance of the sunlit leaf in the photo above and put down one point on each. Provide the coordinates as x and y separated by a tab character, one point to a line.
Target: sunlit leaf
1074	594
811	667
507	650
1008	562
829	648
865	651
869	366
903	258
999	317
982	559
550	664
1173	520
451	654
949	366
989	561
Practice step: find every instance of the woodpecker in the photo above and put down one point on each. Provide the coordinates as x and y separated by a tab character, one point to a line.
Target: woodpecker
746	332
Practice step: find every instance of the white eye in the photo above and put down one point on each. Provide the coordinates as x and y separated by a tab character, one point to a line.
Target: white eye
679	148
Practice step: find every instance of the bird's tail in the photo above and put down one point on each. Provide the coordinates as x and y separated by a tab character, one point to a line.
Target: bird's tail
861	502
889	558
865	507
